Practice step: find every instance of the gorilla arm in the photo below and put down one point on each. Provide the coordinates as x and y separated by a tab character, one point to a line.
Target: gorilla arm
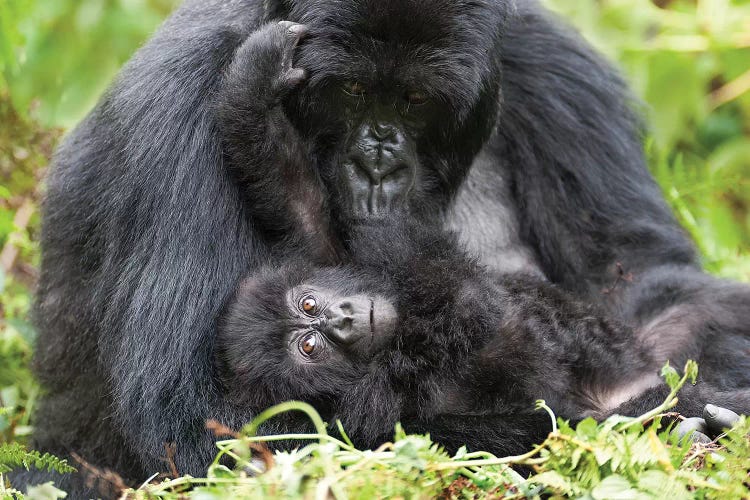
265	152
571	144
144	238
590	211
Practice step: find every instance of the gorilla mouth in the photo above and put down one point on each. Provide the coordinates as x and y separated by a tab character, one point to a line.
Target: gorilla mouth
383	318
377	188
372	318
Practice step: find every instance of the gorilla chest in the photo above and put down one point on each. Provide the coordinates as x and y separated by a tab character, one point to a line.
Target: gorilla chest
485	216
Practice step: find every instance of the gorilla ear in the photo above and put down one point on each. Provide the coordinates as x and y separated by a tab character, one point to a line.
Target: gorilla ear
249	286
277	10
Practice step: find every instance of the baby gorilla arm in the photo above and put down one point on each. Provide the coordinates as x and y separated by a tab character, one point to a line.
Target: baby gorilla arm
449	300
490	335
597	363
480	346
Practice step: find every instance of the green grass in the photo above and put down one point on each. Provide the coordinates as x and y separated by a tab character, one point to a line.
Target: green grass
621	457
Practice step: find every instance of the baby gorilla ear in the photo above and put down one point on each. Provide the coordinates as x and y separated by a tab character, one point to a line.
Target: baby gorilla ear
256	290
260	299
249	286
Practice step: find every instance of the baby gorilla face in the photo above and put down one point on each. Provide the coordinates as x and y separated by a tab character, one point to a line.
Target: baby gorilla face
302	333
325	320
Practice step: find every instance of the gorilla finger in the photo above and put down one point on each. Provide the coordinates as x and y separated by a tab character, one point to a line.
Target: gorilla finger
292	34
299	31
719	419
693	429
294	31
293	77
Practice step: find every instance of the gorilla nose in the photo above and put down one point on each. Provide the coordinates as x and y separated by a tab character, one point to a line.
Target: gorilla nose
348	321
382	132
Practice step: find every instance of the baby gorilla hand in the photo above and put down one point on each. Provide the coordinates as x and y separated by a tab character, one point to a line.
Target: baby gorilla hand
262	66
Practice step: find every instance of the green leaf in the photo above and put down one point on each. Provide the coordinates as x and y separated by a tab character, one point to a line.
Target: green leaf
615	488
587	428
46	491
221	472
691	370
670	375
553	480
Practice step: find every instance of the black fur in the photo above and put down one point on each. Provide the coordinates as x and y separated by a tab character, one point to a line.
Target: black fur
535	157
467	343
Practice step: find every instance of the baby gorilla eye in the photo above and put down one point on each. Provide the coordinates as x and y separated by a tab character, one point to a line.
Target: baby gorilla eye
308	344
308	304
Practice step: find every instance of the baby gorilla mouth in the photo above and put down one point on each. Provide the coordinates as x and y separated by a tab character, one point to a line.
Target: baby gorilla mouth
372	319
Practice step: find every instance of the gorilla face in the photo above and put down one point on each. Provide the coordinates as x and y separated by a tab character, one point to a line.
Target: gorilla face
324	320
400	97
315	333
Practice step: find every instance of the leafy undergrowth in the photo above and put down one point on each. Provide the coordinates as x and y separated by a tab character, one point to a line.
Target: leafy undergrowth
620	458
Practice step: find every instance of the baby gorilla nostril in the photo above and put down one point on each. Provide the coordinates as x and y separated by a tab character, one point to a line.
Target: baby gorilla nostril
348	320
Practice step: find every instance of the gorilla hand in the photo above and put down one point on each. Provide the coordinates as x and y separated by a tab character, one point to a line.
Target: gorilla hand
263	65
715	421
266	155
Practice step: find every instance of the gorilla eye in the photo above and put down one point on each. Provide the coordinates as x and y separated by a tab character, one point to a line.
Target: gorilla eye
416	97
354	89
308	344
308	304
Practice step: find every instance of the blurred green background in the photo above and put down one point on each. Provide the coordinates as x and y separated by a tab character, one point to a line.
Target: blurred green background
688	59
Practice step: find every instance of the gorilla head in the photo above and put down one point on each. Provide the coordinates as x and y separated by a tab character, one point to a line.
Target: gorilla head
293	333
400	97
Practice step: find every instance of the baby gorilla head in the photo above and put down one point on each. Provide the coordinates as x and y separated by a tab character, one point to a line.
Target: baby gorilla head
302	333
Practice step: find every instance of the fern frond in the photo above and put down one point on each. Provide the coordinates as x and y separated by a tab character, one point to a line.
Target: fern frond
14	455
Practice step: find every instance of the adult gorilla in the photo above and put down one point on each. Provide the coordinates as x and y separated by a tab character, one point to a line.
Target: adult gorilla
490	118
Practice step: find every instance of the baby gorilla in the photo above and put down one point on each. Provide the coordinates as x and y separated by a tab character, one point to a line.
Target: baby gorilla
414	331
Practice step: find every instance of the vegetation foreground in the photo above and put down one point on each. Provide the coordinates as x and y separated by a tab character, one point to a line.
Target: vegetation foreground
620	458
